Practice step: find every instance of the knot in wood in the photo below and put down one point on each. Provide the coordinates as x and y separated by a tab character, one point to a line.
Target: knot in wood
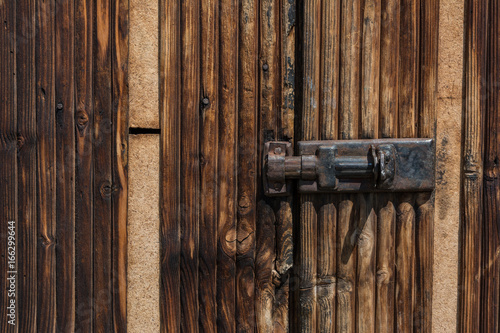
106	190
82	119
20	141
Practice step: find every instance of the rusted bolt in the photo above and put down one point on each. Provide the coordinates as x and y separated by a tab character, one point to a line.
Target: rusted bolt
265	67
277	151
59	106
205	101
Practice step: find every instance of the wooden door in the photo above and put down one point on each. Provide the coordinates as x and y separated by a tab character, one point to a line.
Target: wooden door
236	74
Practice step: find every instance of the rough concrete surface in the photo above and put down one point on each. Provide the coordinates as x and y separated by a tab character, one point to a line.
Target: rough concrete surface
143	64
143	234
448	150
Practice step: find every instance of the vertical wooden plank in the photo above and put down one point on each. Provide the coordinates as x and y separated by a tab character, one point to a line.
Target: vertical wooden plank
83	165
65	157
170	315
424	232
472	185
247	165
103	187
389	67
264	268
490	297
408	68
386	224
189	155
26	164
405	226
349	111
46	166
367	224
388	128
227	172
308	229
120	28
327	218
208	165
286	132
8	169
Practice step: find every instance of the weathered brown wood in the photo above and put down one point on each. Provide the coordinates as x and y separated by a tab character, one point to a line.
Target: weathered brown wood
227	172
424	260
286	121
349	115
367	224
189	172
389	65
65	160
264	268
490	289
46	167
170	315
26	166
119	160
386	224
83	165
408	67
103	186
472	184
327	229
388	128
247	165
284	264
405	227
8	162
308	227
346	266
208	165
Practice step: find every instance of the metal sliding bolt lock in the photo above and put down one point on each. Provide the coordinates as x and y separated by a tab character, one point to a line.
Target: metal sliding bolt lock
349	166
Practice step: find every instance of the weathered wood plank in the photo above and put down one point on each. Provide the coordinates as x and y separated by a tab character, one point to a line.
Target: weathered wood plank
389	42
208	165
388	128
386	227
46	167
8	165
170	315
227	167
264	268
65	158
103	186
308	228
26	165
472	184
189	155
247	165
408	67
286	121
490	297
119	160
405	236
83	165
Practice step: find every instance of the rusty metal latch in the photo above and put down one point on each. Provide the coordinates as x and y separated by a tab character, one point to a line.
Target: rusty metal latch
386	165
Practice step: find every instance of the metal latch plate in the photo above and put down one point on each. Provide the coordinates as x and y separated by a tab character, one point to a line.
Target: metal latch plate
385	165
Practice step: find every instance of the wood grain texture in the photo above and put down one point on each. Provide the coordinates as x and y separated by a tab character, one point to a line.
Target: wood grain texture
208	165
8	160
247	165
83	165
308	227
472	159
119	56
46	167
189	172
26	165
405	236
170	315
490	288
227	168
103	186
65	162
286	121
